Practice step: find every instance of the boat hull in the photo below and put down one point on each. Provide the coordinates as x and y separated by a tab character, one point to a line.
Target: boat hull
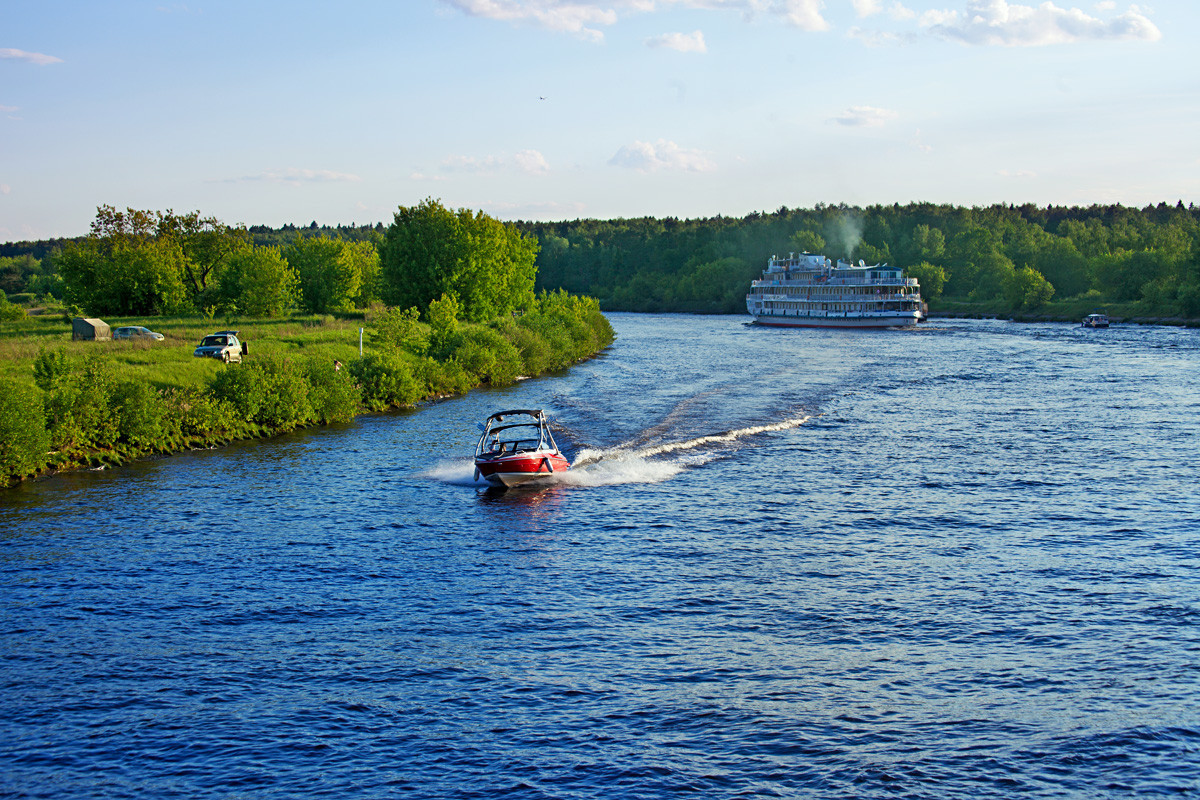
891	321
520	468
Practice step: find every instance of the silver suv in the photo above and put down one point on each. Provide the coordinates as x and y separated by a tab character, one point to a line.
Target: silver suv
223	345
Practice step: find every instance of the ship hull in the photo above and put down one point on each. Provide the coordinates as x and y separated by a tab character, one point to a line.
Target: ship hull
779	321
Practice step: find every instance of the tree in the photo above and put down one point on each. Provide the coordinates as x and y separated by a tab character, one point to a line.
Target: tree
258	282
330	274
207	244
430	251
931	278
1026	289
124	275
807	242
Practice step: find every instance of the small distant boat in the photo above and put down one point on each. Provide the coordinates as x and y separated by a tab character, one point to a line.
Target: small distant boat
1095	321
517	447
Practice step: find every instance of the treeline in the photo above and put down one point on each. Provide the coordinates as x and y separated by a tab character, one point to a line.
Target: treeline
1006	257
1003	257
82	411
29	270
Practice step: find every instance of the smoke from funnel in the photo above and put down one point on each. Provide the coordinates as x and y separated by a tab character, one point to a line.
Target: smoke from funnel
846	233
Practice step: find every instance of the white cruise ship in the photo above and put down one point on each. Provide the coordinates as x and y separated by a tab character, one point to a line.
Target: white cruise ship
809	291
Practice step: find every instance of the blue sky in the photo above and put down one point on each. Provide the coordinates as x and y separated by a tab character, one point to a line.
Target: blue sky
271	112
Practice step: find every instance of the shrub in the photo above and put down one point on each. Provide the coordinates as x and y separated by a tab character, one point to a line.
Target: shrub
24	439
243	388
385	381
400	329
203	416
50	367
142	420
488	356
78	411
332	393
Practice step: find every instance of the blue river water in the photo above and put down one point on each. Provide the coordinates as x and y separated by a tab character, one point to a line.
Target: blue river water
962	559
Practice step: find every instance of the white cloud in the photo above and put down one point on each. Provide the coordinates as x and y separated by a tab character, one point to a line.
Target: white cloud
557	15
997	22
663	154
683	42
5	188
584	18
1019	173
33	58
864	117
295	175
865	8
9	108
471	164
531	162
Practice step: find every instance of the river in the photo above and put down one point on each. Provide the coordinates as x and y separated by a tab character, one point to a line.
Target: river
957	560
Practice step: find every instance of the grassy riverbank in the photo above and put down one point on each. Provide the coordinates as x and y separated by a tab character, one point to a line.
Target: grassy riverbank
66	404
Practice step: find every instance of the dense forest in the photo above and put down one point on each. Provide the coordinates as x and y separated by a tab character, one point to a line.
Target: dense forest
999	259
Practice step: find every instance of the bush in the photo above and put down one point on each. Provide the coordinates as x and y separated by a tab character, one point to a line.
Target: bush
488	356
78	410
244	389
386	381
400	329
24	440
142	420
203	417
333	395
50	367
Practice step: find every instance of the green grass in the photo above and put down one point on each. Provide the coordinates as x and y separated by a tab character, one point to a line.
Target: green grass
170	363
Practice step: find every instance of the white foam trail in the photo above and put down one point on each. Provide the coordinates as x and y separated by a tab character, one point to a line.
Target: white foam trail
589	456
619	468
457	473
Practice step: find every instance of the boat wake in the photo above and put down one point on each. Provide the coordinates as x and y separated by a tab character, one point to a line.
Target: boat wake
634	462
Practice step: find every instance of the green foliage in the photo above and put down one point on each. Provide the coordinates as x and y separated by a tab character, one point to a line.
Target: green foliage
126	275
398	329
270	392
931	278
78	410
203	417
386	381
330	272
650	264
807	242
23	436
142	415
1026	289
50	367
443	323
487	355
10	312
429	252
258	282
334	397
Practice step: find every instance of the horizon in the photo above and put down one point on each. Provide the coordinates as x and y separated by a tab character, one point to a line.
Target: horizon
555	110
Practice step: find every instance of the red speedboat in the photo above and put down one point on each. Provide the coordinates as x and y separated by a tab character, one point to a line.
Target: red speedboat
516	447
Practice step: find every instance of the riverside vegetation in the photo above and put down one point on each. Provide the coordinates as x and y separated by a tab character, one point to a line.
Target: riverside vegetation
67	404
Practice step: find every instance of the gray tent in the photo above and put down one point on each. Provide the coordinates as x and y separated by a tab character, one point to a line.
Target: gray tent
87	329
